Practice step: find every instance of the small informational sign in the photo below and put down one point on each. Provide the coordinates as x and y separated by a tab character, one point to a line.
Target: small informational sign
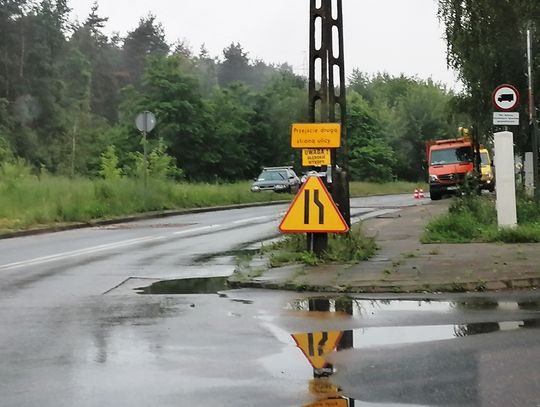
505	98
323	388
316	135
316	157
506	118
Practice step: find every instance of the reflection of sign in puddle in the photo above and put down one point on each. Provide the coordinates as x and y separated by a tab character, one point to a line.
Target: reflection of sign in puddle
383	327
317	346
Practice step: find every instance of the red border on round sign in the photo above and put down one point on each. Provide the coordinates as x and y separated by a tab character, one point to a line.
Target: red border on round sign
501	109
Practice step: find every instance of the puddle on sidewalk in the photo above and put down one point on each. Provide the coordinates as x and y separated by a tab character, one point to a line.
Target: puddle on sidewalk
203	285
365	378
430	321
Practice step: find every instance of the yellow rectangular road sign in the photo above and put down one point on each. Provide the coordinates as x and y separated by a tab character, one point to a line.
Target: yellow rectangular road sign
316	135
329	403
316	157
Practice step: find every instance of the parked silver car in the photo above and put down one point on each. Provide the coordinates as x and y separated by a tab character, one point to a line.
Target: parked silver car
277	179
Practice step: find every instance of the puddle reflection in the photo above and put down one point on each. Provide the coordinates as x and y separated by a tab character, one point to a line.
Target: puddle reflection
320	347
204	285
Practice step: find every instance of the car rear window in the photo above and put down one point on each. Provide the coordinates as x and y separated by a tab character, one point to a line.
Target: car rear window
273	176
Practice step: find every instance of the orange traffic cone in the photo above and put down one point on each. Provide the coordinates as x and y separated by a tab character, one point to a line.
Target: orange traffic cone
416	194
421	194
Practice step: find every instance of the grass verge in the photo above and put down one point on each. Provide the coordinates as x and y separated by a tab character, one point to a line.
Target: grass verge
474	219
349	248
28	201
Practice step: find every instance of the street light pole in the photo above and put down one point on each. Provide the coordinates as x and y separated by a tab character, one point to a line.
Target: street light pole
533	124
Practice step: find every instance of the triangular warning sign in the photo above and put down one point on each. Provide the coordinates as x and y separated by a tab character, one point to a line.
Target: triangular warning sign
313	211
316	345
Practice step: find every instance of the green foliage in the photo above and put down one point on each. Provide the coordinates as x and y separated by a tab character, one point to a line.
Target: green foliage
370	157
528	233
352	247
452	228
528	210
482	209
161	165
474	218
390	120
482	36
109	164
68	90
12	172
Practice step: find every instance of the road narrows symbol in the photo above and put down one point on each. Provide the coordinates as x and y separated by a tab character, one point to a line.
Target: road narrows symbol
306	207
317	202
311	348
322	342
320	206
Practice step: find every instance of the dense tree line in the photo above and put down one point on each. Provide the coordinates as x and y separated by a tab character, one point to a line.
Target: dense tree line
487	45
69	95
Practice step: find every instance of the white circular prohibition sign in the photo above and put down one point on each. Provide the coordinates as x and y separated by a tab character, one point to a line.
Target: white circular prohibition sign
505	98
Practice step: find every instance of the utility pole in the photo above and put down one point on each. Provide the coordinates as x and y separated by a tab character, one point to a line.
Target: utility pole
327	103
533	124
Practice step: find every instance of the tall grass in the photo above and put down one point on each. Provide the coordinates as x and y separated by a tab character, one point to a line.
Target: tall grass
474	219
28	201
31	202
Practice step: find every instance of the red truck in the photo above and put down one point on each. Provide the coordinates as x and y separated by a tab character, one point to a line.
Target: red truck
449	163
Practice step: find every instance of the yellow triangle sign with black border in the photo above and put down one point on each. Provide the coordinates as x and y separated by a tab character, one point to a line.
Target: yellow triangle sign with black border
313	211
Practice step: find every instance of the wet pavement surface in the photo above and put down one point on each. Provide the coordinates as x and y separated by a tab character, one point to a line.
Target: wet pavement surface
141	316
272	348
403	264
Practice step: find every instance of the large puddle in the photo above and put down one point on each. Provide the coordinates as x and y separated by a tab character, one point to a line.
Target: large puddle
203	285
362	358
351	344
428	322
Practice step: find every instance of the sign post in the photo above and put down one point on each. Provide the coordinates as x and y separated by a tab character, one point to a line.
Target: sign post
145	123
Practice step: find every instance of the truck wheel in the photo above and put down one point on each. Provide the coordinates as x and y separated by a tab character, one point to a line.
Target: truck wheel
435	196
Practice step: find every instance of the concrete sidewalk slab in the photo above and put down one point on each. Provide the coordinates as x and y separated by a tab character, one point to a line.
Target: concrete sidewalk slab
403	264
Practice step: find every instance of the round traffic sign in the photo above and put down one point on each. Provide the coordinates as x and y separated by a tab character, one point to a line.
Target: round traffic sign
505	98
145	121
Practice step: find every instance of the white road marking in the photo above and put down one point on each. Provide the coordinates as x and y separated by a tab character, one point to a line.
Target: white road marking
250	219
79	252
182	232
115	245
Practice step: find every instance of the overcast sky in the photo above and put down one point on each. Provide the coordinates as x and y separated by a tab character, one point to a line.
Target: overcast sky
394	36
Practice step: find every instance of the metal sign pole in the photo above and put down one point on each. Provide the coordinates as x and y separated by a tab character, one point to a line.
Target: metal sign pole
327	103
145	123
533	124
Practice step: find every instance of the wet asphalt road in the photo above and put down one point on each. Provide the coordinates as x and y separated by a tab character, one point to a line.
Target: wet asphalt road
75	333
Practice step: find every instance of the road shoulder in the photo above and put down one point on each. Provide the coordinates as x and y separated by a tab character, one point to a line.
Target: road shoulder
403	264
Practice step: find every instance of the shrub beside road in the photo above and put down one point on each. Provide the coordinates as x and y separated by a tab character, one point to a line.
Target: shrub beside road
473	218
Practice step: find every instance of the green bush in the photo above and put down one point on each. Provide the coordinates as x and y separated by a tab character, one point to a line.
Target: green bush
351	247
528	210
474	218
453	228
482	209
520	234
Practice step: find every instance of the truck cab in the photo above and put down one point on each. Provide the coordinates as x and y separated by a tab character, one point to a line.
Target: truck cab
450	162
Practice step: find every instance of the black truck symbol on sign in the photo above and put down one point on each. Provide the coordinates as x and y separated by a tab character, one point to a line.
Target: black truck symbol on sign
506	97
